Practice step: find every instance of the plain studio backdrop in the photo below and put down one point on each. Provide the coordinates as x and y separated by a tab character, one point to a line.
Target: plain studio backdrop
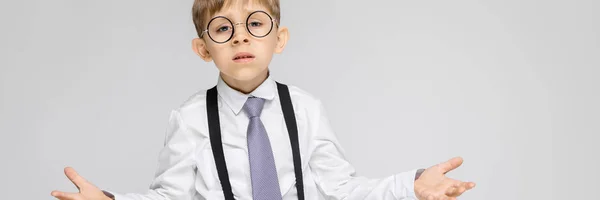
509	85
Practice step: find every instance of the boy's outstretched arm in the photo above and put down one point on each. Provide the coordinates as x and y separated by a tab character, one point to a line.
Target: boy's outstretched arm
174	177
336	177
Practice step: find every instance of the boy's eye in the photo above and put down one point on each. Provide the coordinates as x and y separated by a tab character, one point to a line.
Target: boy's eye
223	29
255	24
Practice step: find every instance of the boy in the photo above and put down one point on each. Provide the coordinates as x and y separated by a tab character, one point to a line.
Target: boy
250	137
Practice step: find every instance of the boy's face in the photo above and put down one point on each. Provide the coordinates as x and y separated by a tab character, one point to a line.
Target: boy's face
244	57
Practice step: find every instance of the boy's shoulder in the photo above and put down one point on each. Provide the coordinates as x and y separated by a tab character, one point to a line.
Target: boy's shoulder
196	100
300	96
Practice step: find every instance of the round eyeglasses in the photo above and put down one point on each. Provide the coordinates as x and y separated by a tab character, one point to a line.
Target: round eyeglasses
220	29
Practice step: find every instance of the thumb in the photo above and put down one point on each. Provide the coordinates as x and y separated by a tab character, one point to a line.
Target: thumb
450	165
75	178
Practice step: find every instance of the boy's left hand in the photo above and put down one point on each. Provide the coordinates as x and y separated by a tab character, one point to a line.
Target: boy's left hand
434	185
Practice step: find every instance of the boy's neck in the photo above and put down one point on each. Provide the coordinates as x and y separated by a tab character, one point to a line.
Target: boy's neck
245	86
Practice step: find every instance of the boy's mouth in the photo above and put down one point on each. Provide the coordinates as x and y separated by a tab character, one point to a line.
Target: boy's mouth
243	57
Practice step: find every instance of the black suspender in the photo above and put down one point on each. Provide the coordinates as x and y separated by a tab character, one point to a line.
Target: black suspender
290	122
214	128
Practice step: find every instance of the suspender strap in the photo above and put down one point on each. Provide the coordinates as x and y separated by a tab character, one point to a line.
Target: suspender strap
214	128
290	121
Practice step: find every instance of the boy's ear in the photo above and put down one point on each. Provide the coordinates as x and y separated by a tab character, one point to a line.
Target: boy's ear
282	37
199	47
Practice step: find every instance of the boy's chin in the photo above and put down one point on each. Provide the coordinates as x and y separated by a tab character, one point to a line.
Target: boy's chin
245	75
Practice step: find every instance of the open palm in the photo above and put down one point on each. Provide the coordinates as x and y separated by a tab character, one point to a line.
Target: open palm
434	185
87	191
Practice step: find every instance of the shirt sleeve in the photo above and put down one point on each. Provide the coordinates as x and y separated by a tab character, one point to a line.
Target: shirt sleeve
336	177
174	178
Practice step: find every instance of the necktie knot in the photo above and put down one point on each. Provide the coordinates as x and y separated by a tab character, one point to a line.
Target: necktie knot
254	106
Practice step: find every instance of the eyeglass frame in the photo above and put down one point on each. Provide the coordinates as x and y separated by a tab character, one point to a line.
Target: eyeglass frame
273	21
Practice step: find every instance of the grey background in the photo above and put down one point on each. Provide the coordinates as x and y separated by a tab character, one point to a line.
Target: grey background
509	85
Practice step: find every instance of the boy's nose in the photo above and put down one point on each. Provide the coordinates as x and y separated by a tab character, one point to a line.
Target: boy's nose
237	39
241	35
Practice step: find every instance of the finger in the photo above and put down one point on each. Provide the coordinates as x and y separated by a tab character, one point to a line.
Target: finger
455	191
78	180
453	183
451	190
470	185
436	195
467	185
448	184
452	186
462	188
65	195
450	165
460	191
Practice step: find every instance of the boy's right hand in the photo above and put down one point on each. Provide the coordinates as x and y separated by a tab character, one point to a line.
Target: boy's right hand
87	191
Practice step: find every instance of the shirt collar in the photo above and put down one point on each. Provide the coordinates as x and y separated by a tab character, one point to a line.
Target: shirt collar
236	100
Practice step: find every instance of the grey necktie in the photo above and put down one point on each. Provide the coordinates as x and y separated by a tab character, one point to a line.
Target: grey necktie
265	185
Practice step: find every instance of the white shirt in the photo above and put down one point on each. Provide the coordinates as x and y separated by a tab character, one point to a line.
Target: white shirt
186	168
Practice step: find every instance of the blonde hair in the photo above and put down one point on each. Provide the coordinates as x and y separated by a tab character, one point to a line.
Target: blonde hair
203	9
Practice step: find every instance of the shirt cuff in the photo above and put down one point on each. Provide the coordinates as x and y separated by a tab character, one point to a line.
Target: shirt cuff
108	194
115	196
405	185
